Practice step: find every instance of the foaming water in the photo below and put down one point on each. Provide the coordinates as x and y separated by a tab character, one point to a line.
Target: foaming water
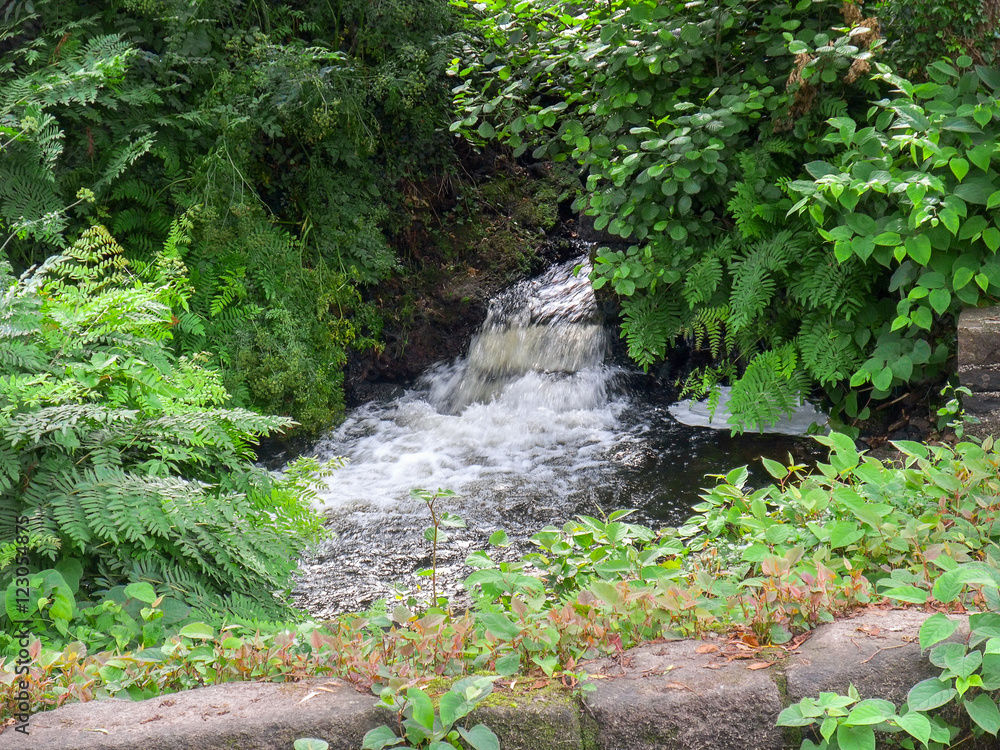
532	427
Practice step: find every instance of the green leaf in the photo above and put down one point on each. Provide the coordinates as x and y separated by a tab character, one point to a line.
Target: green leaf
775	469
882	379
486	130
871	711
845	533
959	167
792	717
141	591
918	247
379	738
423	708
499	539
936	628
197	630
858	222
983	711
508	665
855	738
454	706
930	694
940	300
480	737
500	625
909	594
981	156
991	237
917	725
310	743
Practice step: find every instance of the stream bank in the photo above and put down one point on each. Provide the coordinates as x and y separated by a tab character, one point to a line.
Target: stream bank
680	695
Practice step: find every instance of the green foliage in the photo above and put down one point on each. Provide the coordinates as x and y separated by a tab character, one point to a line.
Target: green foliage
696	125
970	671
289	126
913	193
119	454
423	727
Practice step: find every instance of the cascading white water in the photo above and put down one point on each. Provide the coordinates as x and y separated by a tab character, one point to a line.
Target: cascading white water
531	398
531	427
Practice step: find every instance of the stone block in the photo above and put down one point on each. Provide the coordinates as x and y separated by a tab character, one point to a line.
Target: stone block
979	349
878	652
670	697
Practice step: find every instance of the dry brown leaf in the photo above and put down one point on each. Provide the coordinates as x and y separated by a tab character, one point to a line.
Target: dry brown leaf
539	684
676	686
759	665
751	640
712	665
706	648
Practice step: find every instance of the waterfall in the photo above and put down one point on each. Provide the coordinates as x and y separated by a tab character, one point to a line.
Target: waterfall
547	325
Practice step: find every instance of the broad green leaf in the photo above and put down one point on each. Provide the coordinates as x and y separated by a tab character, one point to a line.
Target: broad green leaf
310	743
918	247
871	711
423	708
917	725
508	665
453	707
499	539
907	594
930	694
940	300
983	711
959	167
792	717
379	738
500	625
480	737
855	738
991	238
141	591
935	629
197	630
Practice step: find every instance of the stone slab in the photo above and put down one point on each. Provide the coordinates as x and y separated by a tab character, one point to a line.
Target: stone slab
665	696
878	652
979	349
243	715
670	697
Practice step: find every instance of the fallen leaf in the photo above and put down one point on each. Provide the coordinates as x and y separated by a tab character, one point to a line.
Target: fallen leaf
598	677
712	665
751	640
539	684
869	629
759	665
313	694
676	686
706	648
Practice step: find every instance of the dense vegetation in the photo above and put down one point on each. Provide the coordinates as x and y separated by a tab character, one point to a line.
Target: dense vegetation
780	194
197	199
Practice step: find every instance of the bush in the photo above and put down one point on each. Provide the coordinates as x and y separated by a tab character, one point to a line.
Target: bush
118	456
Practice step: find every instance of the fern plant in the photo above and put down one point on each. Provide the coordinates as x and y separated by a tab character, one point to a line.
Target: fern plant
120	454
